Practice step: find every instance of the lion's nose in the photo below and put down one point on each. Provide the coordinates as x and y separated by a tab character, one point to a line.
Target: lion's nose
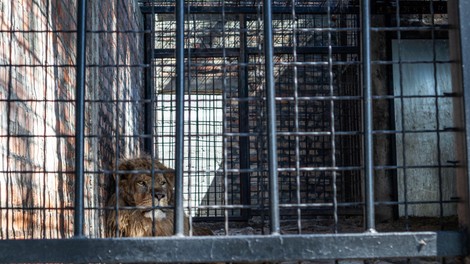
159	195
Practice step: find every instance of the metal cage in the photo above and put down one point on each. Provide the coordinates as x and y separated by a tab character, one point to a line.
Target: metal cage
298	130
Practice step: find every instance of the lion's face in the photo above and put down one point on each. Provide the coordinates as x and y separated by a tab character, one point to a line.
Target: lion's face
142	189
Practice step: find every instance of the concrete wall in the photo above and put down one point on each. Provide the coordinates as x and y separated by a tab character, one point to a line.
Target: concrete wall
419	149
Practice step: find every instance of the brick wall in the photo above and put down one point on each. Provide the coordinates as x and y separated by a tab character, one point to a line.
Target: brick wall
37	126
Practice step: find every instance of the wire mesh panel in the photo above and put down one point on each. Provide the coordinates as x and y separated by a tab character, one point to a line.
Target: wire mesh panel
242	131
39	128
224	81
35	136
319	96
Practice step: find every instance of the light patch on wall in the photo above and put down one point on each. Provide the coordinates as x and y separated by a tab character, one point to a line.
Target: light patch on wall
419	80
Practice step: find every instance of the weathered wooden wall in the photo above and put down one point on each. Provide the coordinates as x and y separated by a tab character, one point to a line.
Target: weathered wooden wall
37	126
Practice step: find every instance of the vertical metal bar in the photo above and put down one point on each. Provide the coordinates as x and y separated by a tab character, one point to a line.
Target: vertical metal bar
403	153
271	107
196	143
80	119
296	116
368	144
8	166
332	119
179	140
117	119
149	95
243	124
438	113
227	199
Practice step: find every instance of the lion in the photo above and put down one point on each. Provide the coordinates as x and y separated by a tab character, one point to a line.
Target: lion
138	195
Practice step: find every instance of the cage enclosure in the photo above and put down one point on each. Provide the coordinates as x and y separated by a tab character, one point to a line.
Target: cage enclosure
318	122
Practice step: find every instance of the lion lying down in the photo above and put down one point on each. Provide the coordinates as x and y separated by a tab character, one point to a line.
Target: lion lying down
137	196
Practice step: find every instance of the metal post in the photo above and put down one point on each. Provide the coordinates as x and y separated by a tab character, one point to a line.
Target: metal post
368	144
271	106
80	119
149	88
179	144
243	124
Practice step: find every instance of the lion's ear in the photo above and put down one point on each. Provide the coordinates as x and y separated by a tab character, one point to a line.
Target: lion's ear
170	176
124	165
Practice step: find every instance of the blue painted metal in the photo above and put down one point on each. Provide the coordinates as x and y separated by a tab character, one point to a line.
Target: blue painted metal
367	109
80	120
179	141
270	248
271	112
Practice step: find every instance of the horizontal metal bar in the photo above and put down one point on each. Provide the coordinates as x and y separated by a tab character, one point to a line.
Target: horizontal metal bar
382	7
235	52
235	248
409	7
312	10
312	206
251	98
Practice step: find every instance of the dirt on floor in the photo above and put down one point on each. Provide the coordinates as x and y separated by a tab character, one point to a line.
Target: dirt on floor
325	225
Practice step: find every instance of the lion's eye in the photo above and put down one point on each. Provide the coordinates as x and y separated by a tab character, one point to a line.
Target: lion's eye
141	183
163	183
